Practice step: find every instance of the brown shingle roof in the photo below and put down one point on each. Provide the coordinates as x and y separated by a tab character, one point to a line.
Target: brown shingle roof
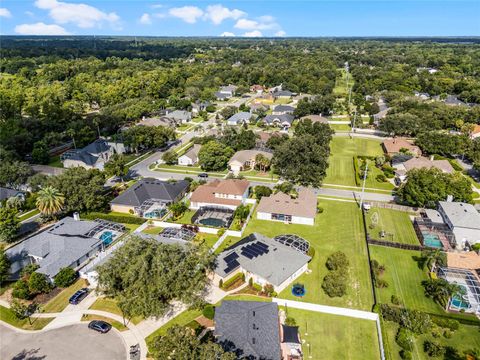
280	203
394	145
423	162
206	193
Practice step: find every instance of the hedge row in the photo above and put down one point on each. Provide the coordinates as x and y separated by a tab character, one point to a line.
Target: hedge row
232	280
125	219
357	173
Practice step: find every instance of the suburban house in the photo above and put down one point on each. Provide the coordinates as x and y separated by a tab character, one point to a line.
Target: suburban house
452	100
383	110
70	242
190	158
250	329
156	121
264	260
401	169
6	193
395	145
476	132
283	121
463	220
422	96
226	92
282	207
463	269
228	193
283	94
315	119
257	106
179	116
283	109
263	136
149	197
199	106
93	156
239	118
245	160
257	89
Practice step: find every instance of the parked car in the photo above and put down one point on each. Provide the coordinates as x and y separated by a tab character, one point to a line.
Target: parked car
100	326
203	175
78	296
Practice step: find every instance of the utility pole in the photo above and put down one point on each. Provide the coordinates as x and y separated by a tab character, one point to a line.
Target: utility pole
363	185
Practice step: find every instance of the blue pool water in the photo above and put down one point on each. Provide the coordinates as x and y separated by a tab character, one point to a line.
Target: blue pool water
155	214
432	240
107	237
458	303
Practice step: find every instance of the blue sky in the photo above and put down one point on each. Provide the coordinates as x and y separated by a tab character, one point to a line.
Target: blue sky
240	18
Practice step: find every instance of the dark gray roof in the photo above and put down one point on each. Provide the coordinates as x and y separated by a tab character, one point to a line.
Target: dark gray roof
221	95
276	266
270	119
148	189
453	100
6	193
249	327
84	157
284	108
58	247
283	93
97	147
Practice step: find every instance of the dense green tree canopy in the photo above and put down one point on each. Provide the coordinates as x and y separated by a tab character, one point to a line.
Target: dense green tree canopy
214	156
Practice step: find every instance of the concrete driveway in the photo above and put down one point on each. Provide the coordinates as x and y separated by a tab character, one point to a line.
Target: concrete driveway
74	342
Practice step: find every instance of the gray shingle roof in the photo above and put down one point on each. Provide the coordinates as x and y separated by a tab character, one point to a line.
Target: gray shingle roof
97	147
84	157
270	119
58	247
250	327
284	108
240	116
6	193
461	214
276	266
147	189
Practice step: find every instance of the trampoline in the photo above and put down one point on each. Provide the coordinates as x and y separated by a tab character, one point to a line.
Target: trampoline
298	290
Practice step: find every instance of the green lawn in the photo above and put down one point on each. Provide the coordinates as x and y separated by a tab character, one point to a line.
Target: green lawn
404	279
341	83
208	239
467	337
28	214
110	305
186	218
55	162
372	182
342	150
396	224
340	127
60	302
336	337
153	230
228	241
339	227
9	317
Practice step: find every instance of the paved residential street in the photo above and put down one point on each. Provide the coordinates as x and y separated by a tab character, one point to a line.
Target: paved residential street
60	344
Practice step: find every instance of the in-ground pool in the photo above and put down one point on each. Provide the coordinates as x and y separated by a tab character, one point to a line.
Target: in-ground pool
155	214
298	290
458	303
213	222
107	237
432	240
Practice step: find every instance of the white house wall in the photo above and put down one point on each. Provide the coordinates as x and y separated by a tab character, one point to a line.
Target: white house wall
295	219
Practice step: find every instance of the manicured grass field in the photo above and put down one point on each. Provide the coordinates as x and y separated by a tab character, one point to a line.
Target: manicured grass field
467	337
28	214
154	230
186	218
110	305
207	239
9	317
60	302
396	224
371	180
342	150
336	337
339	227
404	279
341	83
340	127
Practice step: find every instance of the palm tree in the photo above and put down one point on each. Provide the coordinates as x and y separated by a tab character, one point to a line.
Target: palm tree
440	290
50	201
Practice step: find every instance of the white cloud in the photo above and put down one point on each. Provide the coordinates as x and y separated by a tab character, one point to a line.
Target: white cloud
81	15
189	14
227	34
254	33
280	33
29	13
157	6
247	24
40	28
218	13
4	12
145	19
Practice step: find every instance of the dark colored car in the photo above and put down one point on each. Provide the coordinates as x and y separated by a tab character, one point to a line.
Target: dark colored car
78	296
100	326
203	175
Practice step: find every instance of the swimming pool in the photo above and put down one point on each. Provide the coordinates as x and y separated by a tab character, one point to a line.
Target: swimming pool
432	240
107	237
213	222
458	303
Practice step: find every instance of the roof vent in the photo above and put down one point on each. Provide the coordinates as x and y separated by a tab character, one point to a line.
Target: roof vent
253	340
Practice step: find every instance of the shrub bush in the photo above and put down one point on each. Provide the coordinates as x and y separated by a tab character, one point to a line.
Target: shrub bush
220	284
406	355
38	284
257	287
311	251
268	290
416	321
20	290
381	178
290	321
450	324
335	284
447	334
29	270
405	339
227	284
125	219
358	181
395	300
209	311
337	261
433	349
320	210
65	277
